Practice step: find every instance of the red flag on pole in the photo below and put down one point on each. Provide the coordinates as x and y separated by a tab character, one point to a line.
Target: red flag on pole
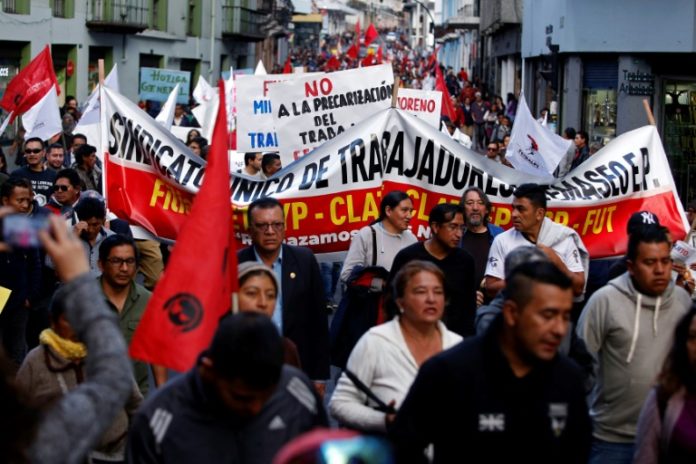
370	34
30	85
333	64
353	52
448	108
195	290
357	32
287	69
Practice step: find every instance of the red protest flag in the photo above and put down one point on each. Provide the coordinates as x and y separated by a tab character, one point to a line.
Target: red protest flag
30	85
448	108
333	64
287	69
353	52
370	34
369	60
195	290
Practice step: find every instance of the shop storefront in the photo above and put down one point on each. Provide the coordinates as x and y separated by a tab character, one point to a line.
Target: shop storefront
679	133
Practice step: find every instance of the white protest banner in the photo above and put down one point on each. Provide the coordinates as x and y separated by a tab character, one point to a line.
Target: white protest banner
331	193
255	130
424	104
310	110
533	148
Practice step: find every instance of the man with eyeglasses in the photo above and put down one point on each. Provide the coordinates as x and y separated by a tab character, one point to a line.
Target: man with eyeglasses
442	248
493	152
118	262
41	178
66	194
300	312
479	233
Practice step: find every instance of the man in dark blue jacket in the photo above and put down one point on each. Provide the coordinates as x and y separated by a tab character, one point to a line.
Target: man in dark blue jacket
300	312
506	396
239	404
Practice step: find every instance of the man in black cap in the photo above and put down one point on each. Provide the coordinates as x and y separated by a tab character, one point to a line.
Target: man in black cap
239	404
636	222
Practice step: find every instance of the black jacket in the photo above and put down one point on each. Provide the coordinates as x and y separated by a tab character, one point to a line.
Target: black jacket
185	422
470	405
460	284
305	318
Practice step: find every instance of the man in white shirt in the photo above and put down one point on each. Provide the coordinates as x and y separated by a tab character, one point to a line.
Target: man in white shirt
531	227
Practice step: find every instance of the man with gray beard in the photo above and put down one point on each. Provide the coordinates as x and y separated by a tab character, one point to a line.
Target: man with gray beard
479	233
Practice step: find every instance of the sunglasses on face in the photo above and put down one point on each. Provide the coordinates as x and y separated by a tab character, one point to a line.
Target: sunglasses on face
33	150
61	188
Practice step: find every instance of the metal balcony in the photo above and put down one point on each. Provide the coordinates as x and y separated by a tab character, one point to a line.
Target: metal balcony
122	17
243	23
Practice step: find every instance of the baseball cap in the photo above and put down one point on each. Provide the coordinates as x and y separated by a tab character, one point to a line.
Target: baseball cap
641	219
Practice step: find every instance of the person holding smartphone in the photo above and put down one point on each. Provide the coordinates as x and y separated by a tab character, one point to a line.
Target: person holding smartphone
20	272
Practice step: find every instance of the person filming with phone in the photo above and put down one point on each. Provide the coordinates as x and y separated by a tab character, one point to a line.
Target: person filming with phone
20	271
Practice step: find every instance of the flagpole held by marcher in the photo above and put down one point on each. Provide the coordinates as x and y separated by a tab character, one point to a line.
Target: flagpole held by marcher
648	112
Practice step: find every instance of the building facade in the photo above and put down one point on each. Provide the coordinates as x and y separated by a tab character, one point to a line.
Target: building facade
204	37
459	38
596	61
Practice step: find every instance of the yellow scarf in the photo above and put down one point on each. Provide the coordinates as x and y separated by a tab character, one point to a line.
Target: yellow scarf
72	351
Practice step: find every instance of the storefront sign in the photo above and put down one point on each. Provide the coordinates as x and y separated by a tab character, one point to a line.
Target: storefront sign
637	83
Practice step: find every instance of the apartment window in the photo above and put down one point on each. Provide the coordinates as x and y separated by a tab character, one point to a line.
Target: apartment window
158	18
193	25
63	8
16	6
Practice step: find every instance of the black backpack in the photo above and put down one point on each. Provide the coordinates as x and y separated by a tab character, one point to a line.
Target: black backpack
361	308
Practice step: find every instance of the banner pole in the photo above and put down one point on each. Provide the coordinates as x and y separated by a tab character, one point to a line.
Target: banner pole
101	71
395	90
648	112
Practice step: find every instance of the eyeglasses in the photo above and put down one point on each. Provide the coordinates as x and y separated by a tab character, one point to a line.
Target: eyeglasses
276	226
61	188
452	227
33	150
118	262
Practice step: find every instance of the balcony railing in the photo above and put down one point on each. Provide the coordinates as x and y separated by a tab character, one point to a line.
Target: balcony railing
124	16
9	6
59	8
243	23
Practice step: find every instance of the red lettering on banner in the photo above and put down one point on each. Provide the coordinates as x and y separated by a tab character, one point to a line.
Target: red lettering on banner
265	86
325	86
416	104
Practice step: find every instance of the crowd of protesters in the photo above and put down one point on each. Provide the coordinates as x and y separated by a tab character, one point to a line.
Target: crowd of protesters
482	345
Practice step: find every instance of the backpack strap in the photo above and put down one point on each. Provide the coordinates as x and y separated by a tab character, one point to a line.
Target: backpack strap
374	246
381	405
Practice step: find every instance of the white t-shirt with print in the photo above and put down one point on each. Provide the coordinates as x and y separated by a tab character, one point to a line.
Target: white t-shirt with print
509	240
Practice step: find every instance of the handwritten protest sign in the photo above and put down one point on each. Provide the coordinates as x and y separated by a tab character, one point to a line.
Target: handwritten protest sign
156	84
309	111
424	104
